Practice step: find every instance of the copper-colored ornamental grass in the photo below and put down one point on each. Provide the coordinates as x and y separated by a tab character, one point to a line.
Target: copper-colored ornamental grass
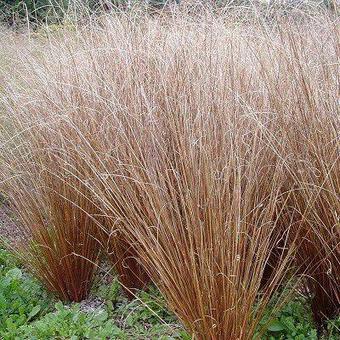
58	235
123	257
62	225
205	241
46	179
196	153
315	172
309	128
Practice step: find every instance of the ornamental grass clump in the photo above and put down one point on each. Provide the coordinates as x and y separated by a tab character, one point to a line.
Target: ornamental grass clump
57	232
188	168
196	154
307	134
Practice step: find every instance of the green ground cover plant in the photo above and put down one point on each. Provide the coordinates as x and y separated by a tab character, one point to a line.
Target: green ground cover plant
29	312
22	298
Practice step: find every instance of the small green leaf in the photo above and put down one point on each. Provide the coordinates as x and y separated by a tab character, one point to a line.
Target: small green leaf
59	306
14	273
184	335
102	316
35	310
276	326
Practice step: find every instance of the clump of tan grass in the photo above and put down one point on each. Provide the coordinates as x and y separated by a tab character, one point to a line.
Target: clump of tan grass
58	235
44	176
315	204
174	142
307	133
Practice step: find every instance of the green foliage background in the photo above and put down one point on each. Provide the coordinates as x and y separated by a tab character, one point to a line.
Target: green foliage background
34	10
53	11
15	12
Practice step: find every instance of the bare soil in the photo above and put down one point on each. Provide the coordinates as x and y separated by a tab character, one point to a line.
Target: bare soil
9	231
